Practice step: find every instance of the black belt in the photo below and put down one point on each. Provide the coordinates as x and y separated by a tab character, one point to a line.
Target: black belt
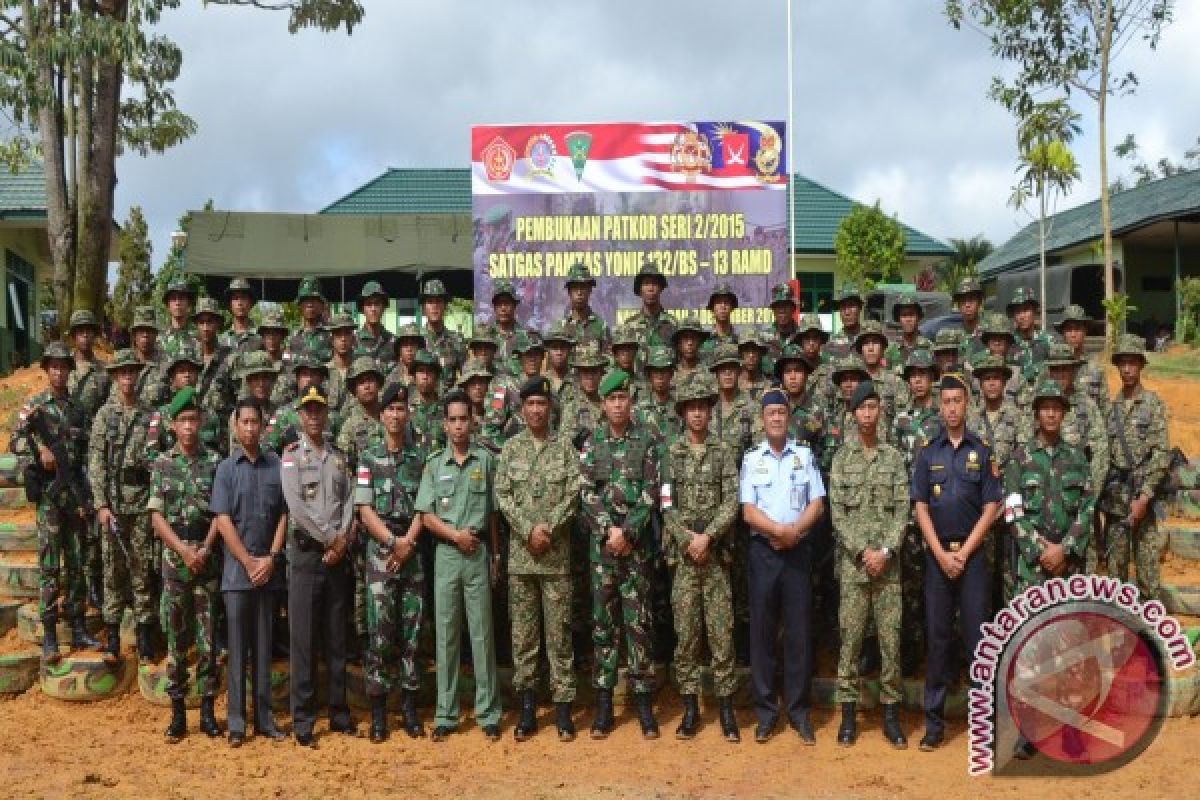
307	544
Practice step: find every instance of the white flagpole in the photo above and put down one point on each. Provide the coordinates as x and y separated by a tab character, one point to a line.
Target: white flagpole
790	154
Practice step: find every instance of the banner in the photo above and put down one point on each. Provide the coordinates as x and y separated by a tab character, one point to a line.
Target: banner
706	201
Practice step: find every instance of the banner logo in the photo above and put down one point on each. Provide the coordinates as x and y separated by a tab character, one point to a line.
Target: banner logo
579	144
498	159
541	153
690	154
766	160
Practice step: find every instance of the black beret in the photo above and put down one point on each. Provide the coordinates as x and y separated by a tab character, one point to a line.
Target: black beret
537	386
393	392
954	380
862	393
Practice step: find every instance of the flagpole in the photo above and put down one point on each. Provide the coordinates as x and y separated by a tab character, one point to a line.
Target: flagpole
790	154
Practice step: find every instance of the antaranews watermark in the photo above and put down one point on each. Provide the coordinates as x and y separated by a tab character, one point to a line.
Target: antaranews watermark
1071	678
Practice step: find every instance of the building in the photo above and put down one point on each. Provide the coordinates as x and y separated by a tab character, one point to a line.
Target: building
26	264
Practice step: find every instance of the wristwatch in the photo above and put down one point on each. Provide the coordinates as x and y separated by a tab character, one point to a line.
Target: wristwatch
392	542
887	552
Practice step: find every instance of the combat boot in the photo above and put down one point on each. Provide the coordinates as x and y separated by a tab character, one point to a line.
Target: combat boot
527	725
891	726
80	638
408	711
691	718
112	652
50	654
178	727
848	731
145	645
646	715
564	723
208	718
602	726
379	725
729	726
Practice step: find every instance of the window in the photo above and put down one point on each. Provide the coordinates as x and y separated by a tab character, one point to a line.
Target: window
816	290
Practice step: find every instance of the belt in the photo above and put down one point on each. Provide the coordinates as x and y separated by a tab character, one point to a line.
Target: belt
307	544
135	476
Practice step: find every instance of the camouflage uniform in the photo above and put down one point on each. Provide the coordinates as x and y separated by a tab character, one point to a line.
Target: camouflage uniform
359	428
426	415
1056	501
757	384
591	329
659	416
774	337
151	386
658	330
703	481
690	324
173	340
971	344
240	342
382	346
336	384
388	482
538	482
1090	376
314	341
159	435
180	489
1137	428
893	392
447	345
716	339
896	354
841	344
869	500
1032	351
620	477
88	387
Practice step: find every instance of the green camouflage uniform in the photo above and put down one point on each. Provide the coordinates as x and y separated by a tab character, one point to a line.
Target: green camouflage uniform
971	344
650	331
538	482
180	489
359	431
591	330
426	419
381	349
870	507
88	387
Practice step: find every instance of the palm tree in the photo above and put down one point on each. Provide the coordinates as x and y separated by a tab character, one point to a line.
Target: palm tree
965	261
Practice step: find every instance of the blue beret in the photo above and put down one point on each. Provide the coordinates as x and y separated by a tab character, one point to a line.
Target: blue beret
774	397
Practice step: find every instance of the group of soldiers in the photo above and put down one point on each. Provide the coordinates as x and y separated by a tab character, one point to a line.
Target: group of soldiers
581	484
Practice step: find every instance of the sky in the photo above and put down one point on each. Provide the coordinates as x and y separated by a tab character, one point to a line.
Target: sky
890	102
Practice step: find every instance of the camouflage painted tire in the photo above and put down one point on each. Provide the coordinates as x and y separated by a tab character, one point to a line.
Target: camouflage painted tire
13	498
1187	503
18	538
1184	541
8	615
87	677
152	683
10	471
1183	693
29	624
19	671
18	576
1181	599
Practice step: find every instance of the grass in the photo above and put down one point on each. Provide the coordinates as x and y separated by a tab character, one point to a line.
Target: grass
1180	362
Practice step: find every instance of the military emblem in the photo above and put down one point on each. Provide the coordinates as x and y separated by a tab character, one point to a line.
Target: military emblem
937	490
541	152
766	160
498	159
579	145
690	154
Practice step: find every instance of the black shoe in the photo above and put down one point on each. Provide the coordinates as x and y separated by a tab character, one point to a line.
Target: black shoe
408	712
602	726
691	718
491	732
931	741
237	739
441	733
178	727
208	718
729	726
50	654
527	724
272	733
891	726
802	725
848	731
379	724
145	646
306	740
645	709
112	650
763	731
349	728
868	657
564	723
80	638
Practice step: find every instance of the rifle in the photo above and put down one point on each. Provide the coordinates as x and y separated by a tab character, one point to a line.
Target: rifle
67	473
114	530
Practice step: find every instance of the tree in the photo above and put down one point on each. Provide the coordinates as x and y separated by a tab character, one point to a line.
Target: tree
1066	46
964	263
135	284
1143	173
869	244
84	80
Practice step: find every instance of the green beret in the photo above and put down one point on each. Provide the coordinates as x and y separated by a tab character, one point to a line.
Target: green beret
184	400
863	392
615	380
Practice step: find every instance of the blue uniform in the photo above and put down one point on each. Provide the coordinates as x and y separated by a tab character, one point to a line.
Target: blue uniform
781	486
955	483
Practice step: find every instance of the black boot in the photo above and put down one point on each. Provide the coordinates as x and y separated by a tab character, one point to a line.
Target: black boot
178	727
564	723
645	707
379	725
145	645
408	711
527	725
208	718
691	718
848	731
80	638
729	726
891	726
602	726
50	653
112	651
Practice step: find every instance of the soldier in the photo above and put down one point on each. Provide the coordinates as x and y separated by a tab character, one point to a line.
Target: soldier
88	386
687	340
456	503
651	324
1131	501
446	345
389	473
806	421
893	393
502	418
700	506
473	382
374	339
625	351
482	348
581	323
241	337
182	370
998	340
311	337
968	296
620	467
120	485
343	343
361	427
256	376
783	326
408	342
181	483
507	333
655	409
537	491
49	420
180	299
868	492
1090	376
752	350
425	404
283	426
947	345
1032	344
558	342
722	301
848	372
812	338
849	307
273	331
216	388
150	388
907	313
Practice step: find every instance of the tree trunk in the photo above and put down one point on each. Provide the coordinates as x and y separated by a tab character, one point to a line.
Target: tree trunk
100	182
1105	198
1042	249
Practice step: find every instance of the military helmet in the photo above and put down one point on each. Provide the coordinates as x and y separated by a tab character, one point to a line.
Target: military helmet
528	342
696	386
1073	313
810	323
625	336
759	340
123	358
846	365
426	358
996	325
649	271
588	356
82	319
474	368
256	363
987	362
781	293
432	289
791	354
690	324
1060	354
408	332
179	285
722	290
660	357
871	329
239	285
504	287
210	307
579	273
341	321
907	300
848	291
272	320
144	317
1129	344
372	289
967	287
364	365
947	339
725	354
56	351
920	358
185	355
1023	295
309	287
482	335
1050	389
559	332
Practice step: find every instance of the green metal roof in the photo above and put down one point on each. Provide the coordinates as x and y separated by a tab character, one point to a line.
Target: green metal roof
818	211
1167	198
23	193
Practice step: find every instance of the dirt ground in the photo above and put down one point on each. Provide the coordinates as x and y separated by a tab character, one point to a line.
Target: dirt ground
115	748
